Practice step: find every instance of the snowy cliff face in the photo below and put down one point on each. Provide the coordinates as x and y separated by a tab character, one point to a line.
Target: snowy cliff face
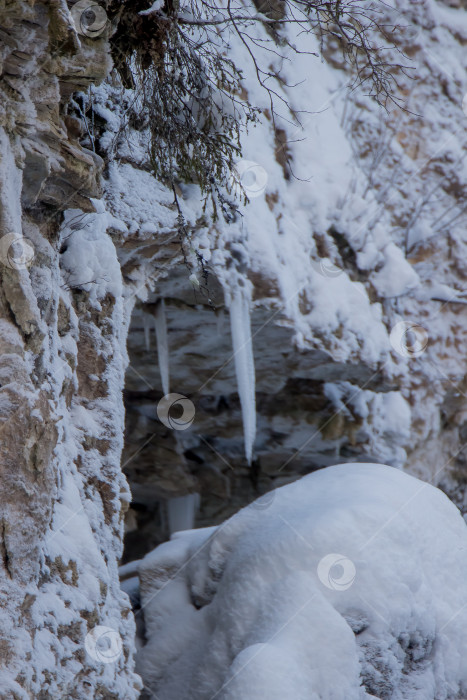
321	269
347	584
352	250
63	617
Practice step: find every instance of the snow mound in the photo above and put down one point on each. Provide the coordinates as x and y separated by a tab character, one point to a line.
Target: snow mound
347	584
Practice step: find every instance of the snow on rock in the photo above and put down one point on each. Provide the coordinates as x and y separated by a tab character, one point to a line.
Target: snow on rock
347	584
359	212
383	419
62	361
89	258
155	7
397	276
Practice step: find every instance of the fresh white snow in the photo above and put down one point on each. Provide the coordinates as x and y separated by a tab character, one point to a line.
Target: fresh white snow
350	584
342	153
249	616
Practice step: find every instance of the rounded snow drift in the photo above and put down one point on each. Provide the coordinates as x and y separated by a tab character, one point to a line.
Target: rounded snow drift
350	586
336	572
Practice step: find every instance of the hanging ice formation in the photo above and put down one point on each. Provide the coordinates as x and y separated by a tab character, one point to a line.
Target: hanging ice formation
181	512
162	344
147	331
244	365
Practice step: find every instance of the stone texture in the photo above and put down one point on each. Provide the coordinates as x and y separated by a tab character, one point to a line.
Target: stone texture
51	340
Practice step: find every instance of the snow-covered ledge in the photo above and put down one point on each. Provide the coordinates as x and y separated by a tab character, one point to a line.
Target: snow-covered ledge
347	584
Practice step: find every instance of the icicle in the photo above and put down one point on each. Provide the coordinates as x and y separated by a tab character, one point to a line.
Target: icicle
244	365
147	331
181	512
220	322
162	345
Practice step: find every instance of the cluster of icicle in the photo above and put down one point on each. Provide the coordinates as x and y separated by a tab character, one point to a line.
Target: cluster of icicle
240	323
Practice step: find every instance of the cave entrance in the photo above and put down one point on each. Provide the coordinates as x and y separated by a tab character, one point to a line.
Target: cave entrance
181	475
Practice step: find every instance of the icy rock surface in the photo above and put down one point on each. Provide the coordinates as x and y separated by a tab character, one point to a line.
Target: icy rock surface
63	326
364	241
347	584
